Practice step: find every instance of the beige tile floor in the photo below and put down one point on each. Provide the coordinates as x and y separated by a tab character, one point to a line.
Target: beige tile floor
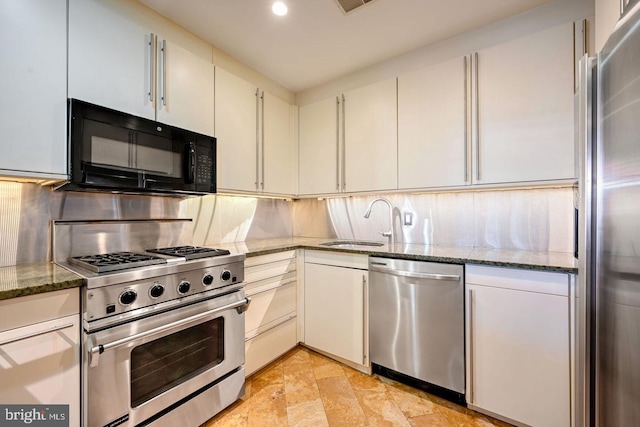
304	388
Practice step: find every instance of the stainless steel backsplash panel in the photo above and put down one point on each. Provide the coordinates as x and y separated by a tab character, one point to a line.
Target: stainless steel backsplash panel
76	238
531	219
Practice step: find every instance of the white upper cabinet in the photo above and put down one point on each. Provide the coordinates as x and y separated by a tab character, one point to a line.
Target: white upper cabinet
370	138
33	40
186	88
278	172
254	133
118	60
433	140
524	109
237	132
349	143
319	146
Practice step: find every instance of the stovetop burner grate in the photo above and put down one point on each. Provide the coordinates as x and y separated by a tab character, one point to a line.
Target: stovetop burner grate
190	252
115	261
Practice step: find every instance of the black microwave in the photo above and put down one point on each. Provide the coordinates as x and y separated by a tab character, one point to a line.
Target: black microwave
113	151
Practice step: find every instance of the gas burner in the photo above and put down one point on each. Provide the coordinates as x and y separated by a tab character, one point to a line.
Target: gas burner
190	252
115	261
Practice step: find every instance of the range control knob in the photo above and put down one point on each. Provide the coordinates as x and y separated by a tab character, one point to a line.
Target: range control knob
207	279
156	290
184	287
127	297
225	275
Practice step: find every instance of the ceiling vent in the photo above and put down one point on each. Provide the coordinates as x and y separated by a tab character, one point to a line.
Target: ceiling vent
350	5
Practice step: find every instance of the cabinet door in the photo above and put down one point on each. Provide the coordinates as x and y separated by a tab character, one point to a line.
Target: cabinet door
334	311
318	148
277	144
186	92
40	364
370	138
33	41
110	57
519	354
525	109
236	121
433	149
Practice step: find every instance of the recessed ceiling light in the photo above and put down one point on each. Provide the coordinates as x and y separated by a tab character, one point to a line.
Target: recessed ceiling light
279	8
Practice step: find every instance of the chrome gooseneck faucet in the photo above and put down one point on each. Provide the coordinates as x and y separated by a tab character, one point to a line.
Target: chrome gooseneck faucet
389	233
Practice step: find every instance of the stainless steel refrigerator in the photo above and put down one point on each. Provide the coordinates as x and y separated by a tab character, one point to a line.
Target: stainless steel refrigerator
608	311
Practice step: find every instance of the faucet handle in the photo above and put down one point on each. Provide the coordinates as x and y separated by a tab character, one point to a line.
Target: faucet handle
386	233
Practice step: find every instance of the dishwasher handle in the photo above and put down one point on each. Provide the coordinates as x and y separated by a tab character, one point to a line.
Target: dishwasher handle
414	274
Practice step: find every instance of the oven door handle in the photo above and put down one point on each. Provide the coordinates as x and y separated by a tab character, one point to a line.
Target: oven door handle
96	350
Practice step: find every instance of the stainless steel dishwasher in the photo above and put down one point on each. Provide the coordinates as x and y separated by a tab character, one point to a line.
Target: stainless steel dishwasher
416	324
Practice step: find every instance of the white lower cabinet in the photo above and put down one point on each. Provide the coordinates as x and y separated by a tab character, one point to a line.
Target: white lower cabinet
40	359
518	344
335	305
270	321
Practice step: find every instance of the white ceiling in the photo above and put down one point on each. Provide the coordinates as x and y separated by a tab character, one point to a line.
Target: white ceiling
316	42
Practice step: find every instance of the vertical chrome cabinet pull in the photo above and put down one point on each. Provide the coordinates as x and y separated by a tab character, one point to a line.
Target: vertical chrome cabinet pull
470	332
477	92
364	319
257	138
344	146
337	143
152	63
466	119
263	154
164	72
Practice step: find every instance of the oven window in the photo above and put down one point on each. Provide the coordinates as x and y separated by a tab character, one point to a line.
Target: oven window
166	362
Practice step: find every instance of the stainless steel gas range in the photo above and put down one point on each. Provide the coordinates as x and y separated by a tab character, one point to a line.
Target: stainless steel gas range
163	322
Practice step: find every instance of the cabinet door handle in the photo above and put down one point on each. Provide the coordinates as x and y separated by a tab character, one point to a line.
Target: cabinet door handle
152	63
364	319
163	50
466	120
337	143
344	146
470	291
477	92
262	157
35	334
257	138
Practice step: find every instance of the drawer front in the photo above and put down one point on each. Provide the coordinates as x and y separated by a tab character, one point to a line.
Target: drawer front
264	259
338	259
270	345
268	306
268	270
32	309
544	282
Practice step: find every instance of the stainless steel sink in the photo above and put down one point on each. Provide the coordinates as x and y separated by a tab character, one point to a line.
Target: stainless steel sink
351	243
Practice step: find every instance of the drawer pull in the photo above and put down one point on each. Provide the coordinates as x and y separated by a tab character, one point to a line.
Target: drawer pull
35	334
291	316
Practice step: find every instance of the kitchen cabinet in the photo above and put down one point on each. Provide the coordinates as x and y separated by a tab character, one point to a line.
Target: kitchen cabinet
434	147
335	306
349	143
270	321
518	344
119	59
255	138
33	38
40	351
523	109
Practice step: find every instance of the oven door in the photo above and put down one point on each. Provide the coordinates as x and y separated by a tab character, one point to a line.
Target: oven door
137	370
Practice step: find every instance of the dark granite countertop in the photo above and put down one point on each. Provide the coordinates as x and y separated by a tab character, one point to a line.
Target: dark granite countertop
29	279
544	261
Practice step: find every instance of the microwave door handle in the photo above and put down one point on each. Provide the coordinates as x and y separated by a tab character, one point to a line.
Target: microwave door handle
191	163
